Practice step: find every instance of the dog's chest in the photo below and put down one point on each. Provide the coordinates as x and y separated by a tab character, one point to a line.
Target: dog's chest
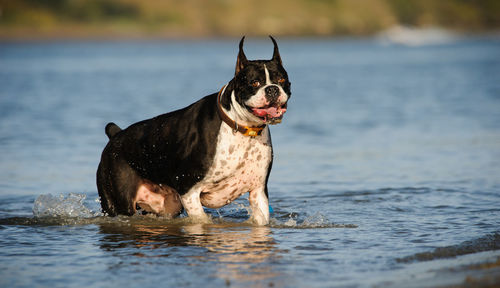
240	165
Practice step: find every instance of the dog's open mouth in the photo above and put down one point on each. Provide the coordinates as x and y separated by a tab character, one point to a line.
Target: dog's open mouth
270	114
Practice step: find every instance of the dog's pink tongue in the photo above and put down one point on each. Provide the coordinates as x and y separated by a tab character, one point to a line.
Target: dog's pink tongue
271	111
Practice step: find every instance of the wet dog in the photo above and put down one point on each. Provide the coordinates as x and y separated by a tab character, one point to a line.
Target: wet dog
207	154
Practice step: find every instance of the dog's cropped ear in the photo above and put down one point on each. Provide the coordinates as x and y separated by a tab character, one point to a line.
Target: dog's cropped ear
241	62
276	53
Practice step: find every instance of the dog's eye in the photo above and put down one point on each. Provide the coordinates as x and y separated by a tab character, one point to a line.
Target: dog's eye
255	84
281	80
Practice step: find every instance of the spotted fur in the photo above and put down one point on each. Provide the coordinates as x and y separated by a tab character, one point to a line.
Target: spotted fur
240	165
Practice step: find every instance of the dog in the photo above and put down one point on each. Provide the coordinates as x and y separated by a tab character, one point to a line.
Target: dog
207	154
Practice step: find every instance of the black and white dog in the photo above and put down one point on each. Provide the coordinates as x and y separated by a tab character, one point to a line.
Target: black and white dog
207	154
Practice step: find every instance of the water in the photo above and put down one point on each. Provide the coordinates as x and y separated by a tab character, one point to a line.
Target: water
386	165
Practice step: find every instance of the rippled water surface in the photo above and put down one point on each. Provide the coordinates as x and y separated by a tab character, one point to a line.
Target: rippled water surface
386	165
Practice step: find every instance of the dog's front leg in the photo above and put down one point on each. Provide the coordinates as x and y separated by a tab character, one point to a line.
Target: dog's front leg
260	206
192	204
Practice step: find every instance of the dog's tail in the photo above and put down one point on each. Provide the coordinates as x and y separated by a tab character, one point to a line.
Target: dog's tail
111	129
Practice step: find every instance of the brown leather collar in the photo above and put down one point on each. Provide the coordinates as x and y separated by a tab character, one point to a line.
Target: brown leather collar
245	130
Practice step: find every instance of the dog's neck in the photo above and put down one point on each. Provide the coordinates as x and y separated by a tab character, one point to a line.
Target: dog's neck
231	117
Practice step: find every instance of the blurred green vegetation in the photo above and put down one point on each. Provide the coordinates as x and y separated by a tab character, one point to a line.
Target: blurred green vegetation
204	18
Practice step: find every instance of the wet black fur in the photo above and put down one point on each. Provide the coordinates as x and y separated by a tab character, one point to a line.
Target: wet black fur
173	149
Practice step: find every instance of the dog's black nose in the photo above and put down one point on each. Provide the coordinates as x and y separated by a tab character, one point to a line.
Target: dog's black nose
272	93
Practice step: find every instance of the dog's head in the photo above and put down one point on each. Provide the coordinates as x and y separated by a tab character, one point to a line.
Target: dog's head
259	92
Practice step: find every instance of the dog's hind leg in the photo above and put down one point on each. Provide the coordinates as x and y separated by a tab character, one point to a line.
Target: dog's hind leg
159	199
104	189
117	185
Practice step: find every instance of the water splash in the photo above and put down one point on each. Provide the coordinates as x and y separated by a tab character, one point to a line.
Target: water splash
240	211
72	205
290	222
316	220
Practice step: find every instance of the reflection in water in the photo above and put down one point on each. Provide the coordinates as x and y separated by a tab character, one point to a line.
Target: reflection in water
238	252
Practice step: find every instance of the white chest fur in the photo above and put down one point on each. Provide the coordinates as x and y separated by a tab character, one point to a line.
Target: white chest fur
240	165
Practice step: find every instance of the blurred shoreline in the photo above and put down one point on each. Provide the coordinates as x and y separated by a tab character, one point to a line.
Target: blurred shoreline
472	270
398	35
171	19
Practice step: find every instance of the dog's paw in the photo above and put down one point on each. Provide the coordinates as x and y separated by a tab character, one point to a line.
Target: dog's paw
200	219
260	220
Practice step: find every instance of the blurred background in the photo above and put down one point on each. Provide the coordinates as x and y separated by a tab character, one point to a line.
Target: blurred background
202	18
